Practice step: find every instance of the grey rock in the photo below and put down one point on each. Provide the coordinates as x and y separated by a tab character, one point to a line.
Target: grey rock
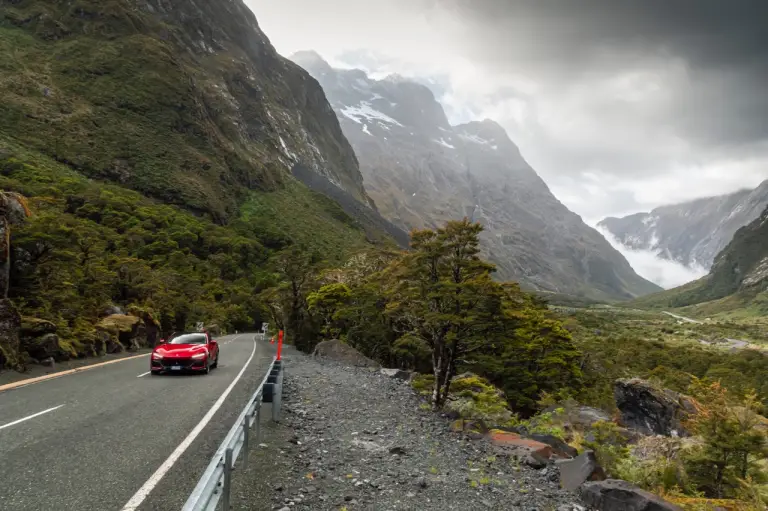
584	467
650	410
617	495
341	352
45	346
397	374
373	444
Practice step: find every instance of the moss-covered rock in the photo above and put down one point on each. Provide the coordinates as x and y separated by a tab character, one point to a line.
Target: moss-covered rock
36	327
120	331
10	324
42	347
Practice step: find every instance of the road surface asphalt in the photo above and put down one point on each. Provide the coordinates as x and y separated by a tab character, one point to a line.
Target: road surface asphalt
106	432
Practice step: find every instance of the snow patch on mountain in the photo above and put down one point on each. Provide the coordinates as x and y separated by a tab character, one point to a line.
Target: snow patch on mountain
365	111
479	140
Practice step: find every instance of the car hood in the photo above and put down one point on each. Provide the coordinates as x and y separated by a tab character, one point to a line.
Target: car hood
180	350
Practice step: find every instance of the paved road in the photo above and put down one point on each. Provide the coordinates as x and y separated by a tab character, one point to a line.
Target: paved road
683	318
107	431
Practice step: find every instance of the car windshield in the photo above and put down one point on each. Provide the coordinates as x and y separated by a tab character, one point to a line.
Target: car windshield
189	339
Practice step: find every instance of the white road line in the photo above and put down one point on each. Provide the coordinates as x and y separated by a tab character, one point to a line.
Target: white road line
143	374
143	492
30	417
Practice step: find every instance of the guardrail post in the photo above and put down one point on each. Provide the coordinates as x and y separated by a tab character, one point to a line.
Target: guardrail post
258	422
227	478
277	396
246	434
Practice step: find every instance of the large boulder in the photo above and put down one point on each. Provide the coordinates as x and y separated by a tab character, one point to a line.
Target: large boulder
560	448
42	347
651	410
151	326
122	331
534	454
10	324
617	495
582	468
341	352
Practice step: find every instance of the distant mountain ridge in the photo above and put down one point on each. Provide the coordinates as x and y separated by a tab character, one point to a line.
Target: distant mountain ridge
421	171
738	280
691	233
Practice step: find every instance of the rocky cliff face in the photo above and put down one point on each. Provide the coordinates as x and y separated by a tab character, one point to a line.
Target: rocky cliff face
692	233
421	172
743	264
186	101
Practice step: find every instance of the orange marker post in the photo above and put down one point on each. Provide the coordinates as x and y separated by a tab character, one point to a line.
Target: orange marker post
279	344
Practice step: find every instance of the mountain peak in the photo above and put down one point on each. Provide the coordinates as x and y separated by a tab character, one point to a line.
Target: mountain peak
489	132
311	61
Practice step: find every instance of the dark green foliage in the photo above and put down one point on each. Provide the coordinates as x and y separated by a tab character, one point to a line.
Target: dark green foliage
617	345
89	244
435	309
732	444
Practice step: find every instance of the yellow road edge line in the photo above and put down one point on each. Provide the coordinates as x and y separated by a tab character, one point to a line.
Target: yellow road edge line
38	379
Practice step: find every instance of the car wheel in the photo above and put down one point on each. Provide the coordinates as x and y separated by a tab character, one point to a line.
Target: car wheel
207	367
215	362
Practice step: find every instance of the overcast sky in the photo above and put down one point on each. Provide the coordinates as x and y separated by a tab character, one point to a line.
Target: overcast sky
620	105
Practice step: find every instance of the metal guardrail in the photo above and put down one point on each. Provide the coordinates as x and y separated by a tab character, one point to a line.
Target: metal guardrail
216	482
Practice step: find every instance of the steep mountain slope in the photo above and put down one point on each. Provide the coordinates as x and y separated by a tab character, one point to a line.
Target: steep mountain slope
186	101
738	278
155	142
691	233
421	171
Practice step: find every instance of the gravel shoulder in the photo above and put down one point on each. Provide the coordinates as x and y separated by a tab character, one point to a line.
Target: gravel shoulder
355	439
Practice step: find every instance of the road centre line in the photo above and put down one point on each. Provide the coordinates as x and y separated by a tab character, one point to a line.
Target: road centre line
143	374
29	417
148	486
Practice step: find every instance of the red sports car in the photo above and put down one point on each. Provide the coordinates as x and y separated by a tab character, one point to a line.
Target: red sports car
189	352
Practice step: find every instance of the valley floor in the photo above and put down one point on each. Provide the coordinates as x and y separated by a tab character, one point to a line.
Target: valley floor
334	450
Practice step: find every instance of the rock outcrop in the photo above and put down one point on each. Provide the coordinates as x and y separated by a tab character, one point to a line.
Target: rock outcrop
341	352
120	331
10	324
616	495
651	410
38	340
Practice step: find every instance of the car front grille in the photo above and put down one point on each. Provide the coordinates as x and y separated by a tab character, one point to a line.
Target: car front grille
183	362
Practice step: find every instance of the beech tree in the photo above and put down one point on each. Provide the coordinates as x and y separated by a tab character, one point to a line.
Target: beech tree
446	297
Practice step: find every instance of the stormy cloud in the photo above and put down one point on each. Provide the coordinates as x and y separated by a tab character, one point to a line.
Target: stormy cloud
620	105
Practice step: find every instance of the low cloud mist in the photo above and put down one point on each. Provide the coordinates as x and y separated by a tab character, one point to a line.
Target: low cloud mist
667	274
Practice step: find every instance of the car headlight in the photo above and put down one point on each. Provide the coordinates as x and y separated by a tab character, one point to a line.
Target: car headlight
156	356
200	355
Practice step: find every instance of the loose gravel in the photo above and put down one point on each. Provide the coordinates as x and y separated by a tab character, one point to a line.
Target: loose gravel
354	439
